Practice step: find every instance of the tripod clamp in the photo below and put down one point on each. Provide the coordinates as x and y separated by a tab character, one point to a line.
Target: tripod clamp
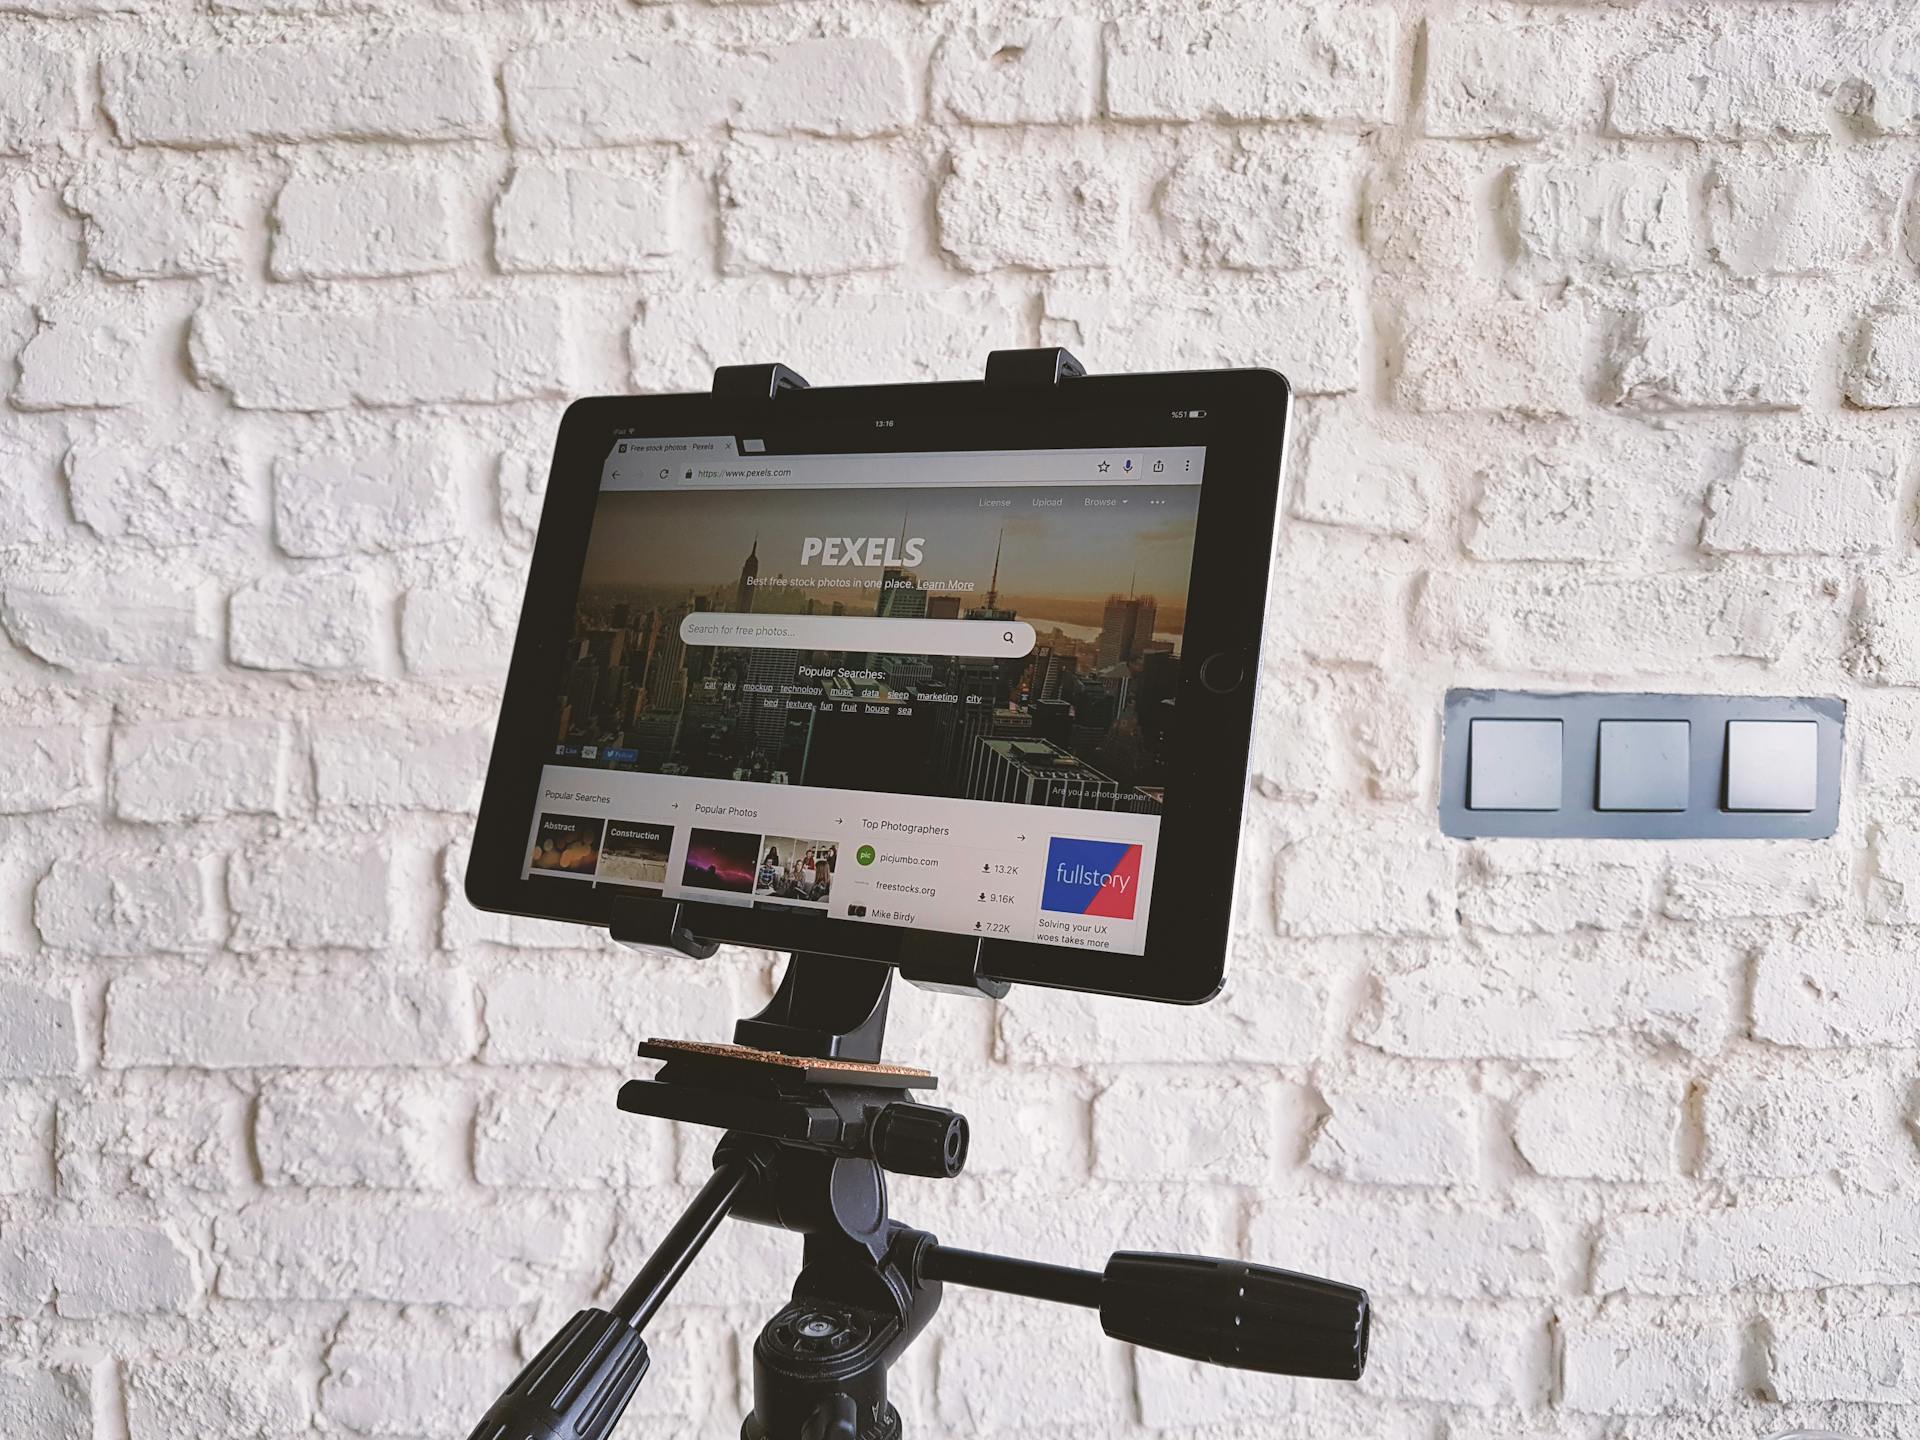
813	1121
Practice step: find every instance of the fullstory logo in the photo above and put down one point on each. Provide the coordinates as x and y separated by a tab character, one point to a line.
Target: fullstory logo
1091	877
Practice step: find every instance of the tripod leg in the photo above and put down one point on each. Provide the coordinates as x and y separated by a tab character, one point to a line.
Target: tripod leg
579	1384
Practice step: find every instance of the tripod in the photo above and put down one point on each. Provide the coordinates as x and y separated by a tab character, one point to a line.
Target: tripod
813	1120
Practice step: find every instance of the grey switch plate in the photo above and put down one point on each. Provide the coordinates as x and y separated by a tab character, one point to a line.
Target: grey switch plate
1645	786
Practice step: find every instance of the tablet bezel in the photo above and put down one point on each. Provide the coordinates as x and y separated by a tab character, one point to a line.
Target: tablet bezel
1241	416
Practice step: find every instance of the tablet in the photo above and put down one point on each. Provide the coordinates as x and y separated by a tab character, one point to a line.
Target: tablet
899	660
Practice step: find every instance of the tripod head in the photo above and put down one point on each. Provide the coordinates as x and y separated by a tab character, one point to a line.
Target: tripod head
809	1139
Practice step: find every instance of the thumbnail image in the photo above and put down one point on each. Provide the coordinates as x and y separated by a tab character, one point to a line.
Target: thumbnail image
567	843
1092	877
720	860
792	869
635	853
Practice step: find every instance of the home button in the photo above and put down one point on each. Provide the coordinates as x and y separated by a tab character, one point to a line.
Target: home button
1222	672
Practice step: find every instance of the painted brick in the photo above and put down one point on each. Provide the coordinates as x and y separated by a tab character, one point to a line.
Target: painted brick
1758	78
1886	648
358	765
152	1146
1804	1245
1788	1126
1618	219
159	219
421	1019
1869	1361
1219	208
1822	491
132	617
1798	219
1307	328
182	494
92	350
341	225
1224	1130
542	1018
49	767
1032	206
50	1403
295	897
576	219
1737	354
174	770
1378	1138
1590	498
26	1138
1880	373
1366	885
1830	986
85	1271
1626	625
1350	477
1491	355
1608	1369
124	906
1530	1003
305	621
1422	1249
415	86
1267	1014
566	1136
1333	65
374	1386
814	209
585	93
1514	891
1772	879
351	488
39	1034
1420	203
1486	1362
679	337
41	104
457	630
1600	1125
406	1253
22	236
1019	72
1893	882
1492	80
327	357
230	1396
358	1131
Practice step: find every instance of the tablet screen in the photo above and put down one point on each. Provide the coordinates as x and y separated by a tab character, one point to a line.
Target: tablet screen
922	689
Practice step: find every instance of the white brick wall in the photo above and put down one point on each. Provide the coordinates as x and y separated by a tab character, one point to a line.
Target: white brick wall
1605	323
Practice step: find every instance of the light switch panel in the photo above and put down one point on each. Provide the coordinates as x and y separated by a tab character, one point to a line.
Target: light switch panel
1644	764
1514	765
1625	766
1773	765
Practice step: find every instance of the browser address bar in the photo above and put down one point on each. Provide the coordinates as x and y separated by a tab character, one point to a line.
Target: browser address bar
871	634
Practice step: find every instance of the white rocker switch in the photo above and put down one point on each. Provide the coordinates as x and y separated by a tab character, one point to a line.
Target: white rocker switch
1514	765
1773	765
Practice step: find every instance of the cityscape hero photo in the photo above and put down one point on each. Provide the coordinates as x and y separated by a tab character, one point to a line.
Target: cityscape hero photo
1084	721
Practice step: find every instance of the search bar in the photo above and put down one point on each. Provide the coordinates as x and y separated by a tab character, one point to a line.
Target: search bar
869	634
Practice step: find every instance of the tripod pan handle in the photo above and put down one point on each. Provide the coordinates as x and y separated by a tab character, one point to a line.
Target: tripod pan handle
1227	1312
576	1387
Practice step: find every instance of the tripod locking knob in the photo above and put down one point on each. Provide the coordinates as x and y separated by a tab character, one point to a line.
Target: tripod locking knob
1227	1312
577	1386
911	1139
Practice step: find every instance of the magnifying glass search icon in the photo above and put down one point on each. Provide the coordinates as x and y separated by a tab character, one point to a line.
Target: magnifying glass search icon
1007	635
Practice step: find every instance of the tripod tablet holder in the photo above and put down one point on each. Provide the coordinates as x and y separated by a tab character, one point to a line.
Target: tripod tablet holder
812	1122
